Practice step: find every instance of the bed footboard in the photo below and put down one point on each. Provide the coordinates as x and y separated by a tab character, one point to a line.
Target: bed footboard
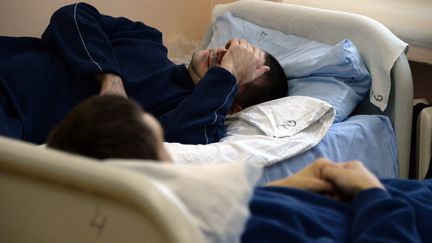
48	196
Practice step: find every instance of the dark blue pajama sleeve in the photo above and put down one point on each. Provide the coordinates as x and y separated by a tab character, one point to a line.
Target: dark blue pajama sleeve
79	33
84	37
381	218
199	119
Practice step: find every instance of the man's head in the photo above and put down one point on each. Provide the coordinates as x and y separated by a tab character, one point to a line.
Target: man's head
109	126
271	85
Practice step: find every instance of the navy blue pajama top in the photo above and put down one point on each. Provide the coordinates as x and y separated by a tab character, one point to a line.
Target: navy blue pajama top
42	79
403	213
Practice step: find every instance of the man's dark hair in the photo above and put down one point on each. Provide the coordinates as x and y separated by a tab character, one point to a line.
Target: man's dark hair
273	85
108	126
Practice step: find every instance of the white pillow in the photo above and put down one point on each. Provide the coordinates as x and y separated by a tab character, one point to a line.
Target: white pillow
217	195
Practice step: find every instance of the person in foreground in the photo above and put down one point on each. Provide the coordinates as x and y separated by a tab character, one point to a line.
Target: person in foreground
324	202
83	52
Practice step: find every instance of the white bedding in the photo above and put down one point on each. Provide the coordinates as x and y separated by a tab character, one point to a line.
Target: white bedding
264	134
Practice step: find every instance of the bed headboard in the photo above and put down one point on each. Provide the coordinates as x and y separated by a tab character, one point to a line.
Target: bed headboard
330	27
50	196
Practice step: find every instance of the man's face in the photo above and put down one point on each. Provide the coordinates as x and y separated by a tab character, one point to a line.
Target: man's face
203	60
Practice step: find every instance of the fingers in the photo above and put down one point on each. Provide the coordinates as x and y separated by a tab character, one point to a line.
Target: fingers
314	169
331	173
323	160
305	183
319	164
213	58
244	60
231	42
334	171
260	71
353	165
351	177
220	54
344	179
259	54
346	183
242	43
320	186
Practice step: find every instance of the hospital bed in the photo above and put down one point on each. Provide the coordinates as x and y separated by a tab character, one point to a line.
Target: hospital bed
49	196
330	27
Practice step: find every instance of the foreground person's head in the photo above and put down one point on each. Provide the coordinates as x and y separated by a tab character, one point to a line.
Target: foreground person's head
109	126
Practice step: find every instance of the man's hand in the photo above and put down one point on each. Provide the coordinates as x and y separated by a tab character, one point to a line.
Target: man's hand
337	180
309	178
350	178
111	84
244	61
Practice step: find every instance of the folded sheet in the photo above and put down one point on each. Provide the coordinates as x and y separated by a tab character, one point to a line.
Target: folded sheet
264	134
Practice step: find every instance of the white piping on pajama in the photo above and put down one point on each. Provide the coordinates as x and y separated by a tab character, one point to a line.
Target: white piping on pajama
205	134
82	40
215	113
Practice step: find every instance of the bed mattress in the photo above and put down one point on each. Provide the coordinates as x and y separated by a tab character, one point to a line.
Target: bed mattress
368	138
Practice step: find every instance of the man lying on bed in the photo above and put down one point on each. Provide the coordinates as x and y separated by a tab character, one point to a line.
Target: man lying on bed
83	53
325	201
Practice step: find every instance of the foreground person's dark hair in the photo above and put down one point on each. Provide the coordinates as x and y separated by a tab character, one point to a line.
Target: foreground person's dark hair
107	126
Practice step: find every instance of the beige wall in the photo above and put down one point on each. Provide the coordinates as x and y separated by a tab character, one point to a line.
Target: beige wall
188	18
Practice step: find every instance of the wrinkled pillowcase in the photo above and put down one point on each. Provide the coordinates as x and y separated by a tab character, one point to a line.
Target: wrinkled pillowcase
335	74
217	195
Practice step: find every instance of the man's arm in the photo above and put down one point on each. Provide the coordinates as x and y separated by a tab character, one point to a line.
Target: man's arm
84	38
77	31
110	84
199	119
377	216
380	218
309	179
